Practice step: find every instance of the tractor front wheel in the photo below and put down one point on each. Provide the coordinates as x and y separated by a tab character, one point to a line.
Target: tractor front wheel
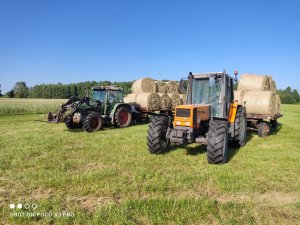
93	122
240	127
217	141
69	122
156	140
123	117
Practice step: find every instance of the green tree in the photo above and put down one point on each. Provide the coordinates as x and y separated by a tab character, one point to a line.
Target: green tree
21	90
10	94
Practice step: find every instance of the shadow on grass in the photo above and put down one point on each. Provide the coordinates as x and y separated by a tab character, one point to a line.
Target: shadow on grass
275	130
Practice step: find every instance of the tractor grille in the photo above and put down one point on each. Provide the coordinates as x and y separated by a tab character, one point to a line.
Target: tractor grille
195	116
183	113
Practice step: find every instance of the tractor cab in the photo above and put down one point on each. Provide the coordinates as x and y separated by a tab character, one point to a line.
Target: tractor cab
108	96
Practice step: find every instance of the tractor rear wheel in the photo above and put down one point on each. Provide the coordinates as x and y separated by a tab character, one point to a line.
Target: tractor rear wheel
93	122
123	117
156	140
263	129
240	127
217	141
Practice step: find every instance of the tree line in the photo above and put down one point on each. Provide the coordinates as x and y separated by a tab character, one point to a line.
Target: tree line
65	91
61	91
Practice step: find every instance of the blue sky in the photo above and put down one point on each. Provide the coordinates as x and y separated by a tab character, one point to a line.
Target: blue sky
71	41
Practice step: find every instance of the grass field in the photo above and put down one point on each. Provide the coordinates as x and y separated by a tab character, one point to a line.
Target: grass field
108	177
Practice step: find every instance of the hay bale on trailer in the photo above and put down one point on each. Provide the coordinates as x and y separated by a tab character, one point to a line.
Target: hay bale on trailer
162	87
143	85
130	98
239	95
260	102
165	101
254	82
147	101
183	98
278	105
173	86
176	100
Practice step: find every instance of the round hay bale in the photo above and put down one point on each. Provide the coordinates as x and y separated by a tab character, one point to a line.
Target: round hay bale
162	87
260	102
148	101
175	100
143	85
165	101
239	95
173	86
130	98
254	82
278	105
183	98
272	84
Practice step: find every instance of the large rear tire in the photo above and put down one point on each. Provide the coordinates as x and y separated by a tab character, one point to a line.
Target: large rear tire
123	117
217	141
240	127
156	139
93	122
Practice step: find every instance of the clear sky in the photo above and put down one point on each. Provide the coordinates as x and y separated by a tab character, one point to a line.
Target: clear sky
71	41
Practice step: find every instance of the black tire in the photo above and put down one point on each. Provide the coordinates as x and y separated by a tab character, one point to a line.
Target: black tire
69	122
156	139
93	122
217	141
123	117
263	129
274	124
240	127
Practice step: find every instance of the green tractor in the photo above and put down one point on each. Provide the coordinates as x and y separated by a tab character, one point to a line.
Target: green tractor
105	106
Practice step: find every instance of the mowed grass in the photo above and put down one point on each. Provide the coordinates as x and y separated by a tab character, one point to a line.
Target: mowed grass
15	106
108	177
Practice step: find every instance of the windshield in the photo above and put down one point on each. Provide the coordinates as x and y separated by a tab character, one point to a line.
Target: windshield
207	91
99	95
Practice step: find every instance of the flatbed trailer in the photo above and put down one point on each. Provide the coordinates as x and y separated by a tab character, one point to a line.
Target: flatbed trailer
262	123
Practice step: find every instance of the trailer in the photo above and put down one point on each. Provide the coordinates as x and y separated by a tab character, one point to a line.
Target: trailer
262	123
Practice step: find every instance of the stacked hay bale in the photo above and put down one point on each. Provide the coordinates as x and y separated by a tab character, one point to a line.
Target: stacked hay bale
258	94
150	95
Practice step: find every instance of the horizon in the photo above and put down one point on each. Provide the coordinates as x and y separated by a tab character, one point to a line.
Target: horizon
70	42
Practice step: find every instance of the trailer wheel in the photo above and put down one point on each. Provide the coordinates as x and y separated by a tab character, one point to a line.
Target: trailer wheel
69	122
217	141
263	129
123	117
93	122
156	139
240	127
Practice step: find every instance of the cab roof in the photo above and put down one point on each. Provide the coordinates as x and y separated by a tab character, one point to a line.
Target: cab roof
107	88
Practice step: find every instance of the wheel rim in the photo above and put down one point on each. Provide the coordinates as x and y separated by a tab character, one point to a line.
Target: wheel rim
94	123
123	117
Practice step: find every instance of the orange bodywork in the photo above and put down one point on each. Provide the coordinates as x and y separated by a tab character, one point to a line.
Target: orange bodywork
191	115
232	112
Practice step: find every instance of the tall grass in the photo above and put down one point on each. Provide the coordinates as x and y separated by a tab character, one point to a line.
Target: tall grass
16	106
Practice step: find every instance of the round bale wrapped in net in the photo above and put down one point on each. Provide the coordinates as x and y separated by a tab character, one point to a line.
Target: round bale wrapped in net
162	87
254	82
148	101
165	101
175	100
173	86
143	85
260	102
239	95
